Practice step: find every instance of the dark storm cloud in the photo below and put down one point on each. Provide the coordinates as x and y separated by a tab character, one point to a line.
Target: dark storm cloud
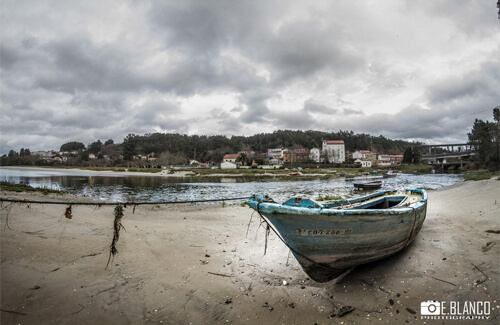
226	120
309	117
201	28
302	49
256	107
478	84
472	17
414	122
189	76
202	31
311	106
256	113
295	120
78	63
157	112
350	111
69	65
8	57
198	33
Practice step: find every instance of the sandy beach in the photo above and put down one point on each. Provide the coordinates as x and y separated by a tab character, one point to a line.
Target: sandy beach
72	171
196	264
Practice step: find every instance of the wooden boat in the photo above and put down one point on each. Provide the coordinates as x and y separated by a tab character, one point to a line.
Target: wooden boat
329	239
368	185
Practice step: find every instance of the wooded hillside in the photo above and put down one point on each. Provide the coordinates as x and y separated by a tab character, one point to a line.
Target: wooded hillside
205	148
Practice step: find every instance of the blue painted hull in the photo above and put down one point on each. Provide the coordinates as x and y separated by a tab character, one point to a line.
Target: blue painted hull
329	239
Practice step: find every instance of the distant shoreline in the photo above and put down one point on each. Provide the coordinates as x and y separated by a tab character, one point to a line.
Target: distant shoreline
228	173
79	170
172	173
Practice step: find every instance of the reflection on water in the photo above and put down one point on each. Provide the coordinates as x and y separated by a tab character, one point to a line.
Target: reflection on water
151	189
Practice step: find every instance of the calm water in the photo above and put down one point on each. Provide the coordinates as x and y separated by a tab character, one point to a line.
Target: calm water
145	188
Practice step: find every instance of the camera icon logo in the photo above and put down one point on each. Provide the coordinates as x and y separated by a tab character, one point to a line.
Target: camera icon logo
430	307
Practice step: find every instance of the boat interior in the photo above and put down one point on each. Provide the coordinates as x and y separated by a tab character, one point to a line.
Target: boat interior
382	200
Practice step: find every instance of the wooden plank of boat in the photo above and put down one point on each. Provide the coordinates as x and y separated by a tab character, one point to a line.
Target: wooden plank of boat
329	239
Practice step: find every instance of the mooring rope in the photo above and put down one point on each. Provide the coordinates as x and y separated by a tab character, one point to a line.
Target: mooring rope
118	212
121	203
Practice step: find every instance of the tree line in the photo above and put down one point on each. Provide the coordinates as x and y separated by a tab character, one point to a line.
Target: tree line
213	148
179	149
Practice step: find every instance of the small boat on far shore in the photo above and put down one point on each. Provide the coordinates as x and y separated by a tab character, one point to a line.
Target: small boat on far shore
368	185
389	174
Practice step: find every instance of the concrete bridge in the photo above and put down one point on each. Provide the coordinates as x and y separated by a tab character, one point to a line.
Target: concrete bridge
448	154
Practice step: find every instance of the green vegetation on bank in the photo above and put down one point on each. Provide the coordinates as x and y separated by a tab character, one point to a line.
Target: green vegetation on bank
477	175
5	186
143	170
419	169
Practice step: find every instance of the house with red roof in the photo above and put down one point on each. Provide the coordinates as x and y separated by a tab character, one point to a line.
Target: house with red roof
230	157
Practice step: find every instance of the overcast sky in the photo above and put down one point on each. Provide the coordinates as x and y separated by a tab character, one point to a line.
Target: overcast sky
89	70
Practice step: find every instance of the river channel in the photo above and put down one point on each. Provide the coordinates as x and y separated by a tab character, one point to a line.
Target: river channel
119	188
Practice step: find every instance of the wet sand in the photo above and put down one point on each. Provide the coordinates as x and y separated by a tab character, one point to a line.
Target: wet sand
196	264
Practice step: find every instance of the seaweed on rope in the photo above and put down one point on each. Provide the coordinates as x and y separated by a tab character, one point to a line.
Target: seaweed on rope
68	213
116	233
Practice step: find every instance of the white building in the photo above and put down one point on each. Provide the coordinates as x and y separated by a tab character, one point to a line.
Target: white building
384	158
228	165
334	150
275	153
315	155
363	154
364	162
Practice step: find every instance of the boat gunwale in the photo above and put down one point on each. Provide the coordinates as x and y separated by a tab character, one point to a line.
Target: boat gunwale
296	210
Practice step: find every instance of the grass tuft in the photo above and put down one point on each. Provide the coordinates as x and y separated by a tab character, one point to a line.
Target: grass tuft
6	186
477	175
329	198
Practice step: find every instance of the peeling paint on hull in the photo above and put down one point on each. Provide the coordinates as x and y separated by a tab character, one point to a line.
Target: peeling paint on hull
329	239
